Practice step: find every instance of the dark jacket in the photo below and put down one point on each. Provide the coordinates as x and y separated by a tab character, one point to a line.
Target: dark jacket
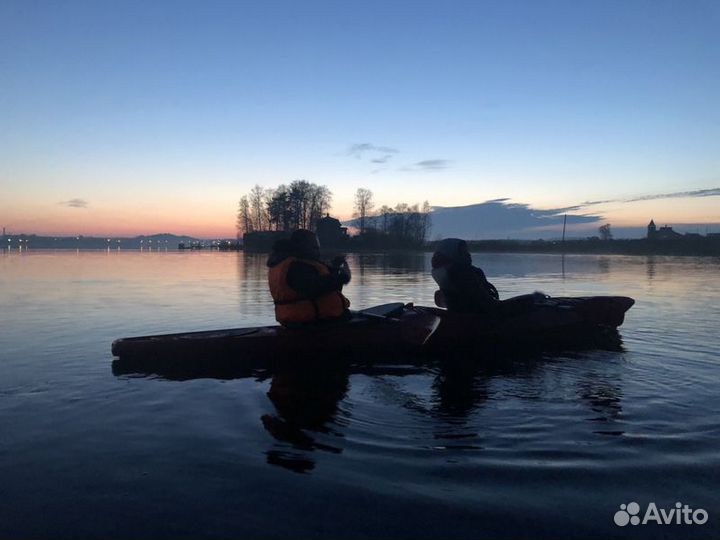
467	290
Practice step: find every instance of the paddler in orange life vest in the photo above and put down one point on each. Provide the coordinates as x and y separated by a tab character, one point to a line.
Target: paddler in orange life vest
304	289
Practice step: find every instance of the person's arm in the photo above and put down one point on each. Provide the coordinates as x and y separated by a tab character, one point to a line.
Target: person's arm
470	291
477	286
308	283
340	267
489	287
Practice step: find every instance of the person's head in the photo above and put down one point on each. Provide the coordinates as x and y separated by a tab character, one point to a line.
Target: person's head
451	251
305	244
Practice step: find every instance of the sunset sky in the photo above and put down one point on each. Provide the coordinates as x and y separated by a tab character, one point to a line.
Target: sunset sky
146	117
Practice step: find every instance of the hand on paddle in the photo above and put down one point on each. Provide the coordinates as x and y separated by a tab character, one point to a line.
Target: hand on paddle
341	267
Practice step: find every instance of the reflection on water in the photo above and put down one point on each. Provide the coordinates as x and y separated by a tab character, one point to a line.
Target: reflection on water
304	402
604	265
604	398
449	448
650	265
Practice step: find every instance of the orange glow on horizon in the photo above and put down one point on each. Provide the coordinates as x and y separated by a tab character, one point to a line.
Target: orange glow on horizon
207	218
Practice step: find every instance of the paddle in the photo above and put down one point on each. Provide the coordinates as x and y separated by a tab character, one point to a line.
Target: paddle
383	311
416	331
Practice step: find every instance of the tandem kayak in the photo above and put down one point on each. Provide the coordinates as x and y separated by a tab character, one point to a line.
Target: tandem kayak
380	335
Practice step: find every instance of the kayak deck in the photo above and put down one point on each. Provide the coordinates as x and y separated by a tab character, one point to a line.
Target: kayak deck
391	327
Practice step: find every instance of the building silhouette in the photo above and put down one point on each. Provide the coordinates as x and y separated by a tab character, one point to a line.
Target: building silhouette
330	232
663	233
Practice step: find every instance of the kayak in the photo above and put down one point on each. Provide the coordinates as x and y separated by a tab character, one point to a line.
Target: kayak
385	334
389	330
546	321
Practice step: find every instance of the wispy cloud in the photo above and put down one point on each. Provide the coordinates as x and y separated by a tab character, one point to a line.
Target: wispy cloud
433	164
566	209
360	150
591	203
713	192
381	155
698	193
429	165
75	203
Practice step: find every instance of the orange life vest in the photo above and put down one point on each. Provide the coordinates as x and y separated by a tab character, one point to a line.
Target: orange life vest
291	308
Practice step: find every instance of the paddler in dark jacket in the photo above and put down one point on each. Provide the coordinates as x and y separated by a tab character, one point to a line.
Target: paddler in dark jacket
464	287
304	289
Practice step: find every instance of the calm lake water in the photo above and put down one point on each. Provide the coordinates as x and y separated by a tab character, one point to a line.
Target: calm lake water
532	447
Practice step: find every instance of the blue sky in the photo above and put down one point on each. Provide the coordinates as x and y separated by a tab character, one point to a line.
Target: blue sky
161	114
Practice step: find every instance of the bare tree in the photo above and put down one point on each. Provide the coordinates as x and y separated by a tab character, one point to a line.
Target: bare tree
319	198
257	208
426	222
385	212
278	208
605	232
363	205
296	206
244	222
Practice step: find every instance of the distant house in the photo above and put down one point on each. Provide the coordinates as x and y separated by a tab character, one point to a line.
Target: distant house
330	232
663	233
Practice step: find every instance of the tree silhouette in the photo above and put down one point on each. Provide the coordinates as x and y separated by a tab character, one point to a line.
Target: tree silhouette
363	205
297	206
244	223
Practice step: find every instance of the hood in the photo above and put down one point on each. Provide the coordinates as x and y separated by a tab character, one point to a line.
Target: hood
451	251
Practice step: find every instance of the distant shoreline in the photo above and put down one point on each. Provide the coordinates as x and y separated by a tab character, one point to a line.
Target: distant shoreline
583	247
683	245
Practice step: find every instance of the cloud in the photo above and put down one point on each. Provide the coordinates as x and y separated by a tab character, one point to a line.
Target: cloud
75	203
712	192
433	164
591	203
499	218
500	200
566	209
381	155
429	165
359	150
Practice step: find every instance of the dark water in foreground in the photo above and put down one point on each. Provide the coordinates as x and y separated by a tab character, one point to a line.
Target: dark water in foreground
531	447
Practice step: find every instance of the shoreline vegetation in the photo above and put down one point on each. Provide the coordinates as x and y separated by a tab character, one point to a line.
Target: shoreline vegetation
266	215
